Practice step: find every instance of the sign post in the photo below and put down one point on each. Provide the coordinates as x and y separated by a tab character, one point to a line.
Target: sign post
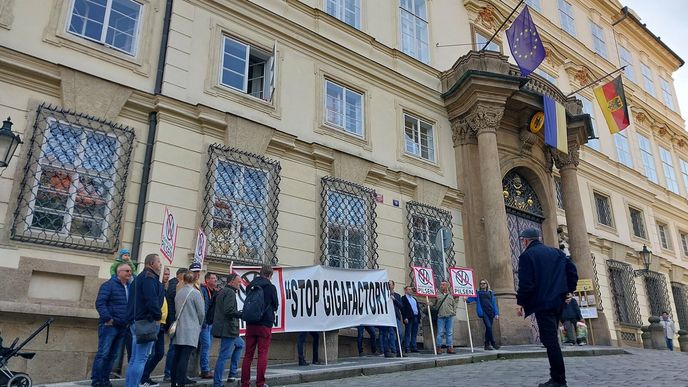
425	286
463	285
168	236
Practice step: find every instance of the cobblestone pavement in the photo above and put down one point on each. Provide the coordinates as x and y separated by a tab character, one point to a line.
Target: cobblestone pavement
638	369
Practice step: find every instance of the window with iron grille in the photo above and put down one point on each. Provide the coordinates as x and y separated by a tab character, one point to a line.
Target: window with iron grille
72	189
240	207
637	222
680	292
425	242
419	138
414	29
623	292
114	23
348	11
604	211
559	192
664	238
684	244
657	294
348	226
248	69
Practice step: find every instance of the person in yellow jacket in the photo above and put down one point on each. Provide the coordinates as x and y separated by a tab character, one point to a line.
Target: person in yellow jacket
158	351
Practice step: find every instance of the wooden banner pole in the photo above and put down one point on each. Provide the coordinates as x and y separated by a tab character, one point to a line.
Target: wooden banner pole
325	346
468	322
432	330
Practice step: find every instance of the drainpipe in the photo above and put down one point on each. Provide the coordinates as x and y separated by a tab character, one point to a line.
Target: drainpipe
150	140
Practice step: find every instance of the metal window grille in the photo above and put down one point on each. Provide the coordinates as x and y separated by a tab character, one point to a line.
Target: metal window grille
72	189
424	239
637	222
559	192
240	209
623	291
348	236
597	282
604	213
629	336
657	294
680	292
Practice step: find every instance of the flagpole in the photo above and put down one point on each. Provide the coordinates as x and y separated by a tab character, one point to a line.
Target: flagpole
502	25
596	80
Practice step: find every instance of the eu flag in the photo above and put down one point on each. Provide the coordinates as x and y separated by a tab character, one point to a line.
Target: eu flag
525	43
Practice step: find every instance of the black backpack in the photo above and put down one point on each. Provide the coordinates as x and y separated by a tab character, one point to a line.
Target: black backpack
254	305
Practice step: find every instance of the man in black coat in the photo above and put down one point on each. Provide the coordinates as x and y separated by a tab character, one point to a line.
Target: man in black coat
411	312
545	276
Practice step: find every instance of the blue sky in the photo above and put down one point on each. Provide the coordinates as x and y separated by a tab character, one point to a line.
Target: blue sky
664	19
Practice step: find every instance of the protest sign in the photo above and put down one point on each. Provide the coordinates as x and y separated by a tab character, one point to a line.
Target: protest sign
168	236
462	282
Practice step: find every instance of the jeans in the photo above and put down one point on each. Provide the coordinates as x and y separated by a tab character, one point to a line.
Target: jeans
110	338
180	364
301	340
386	344
670	344
410	333
445	326
371	333
256	336
394	344
119	357
226	349
204	350
489	337
156	356
548	323
239	345
139	357
170	358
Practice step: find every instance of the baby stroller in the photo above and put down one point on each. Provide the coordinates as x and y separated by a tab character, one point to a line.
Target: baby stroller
18	379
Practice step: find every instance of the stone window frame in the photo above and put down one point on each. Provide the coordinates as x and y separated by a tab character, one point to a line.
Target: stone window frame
269	69
106	26
629	209
683	239
56	33
341	4
428	116
598	221
70	181
345	89
662	224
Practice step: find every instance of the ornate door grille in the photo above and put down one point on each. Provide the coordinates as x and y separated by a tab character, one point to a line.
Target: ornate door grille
680	292
622	284
424	223
657	294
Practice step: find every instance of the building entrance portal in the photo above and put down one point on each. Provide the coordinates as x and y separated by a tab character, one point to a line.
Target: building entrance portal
523	210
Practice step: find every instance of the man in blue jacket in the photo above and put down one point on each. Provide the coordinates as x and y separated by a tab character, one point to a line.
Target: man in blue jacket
111	304
144	305
545	276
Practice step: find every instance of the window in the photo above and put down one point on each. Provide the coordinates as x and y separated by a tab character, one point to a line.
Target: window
684	243
626	59
684	172
348	11
72	192
248	69
648	83
623	150
480	41
534	4
637	222
551	78
114	23
344	108
598	40
414	29
648	158
240	210
669	173
664	238
588	108
604	211
424	225
667	96
559	192
348	225
622	287
418	138
566	17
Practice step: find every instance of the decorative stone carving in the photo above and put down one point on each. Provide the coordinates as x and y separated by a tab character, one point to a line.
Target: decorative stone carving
486	17
640	117
680	143
582	76
662	131
562	160
483	117
528	139
460	133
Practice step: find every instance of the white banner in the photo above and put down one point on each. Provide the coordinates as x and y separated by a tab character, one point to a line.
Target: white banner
319	298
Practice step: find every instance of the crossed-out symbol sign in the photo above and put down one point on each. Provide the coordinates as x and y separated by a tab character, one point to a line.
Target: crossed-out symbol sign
462	278
170	227
424	277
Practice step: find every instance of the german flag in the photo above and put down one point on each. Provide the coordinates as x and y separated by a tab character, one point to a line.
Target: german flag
612	101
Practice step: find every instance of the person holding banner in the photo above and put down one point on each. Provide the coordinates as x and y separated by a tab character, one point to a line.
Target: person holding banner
301	340
445	307
411	312
486	307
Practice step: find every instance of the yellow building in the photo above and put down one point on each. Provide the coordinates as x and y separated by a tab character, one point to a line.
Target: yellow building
335	132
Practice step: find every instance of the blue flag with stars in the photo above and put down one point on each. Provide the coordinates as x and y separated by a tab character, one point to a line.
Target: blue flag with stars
525	44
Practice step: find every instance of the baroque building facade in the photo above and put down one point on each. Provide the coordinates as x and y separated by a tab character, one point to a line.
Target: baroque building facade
336	132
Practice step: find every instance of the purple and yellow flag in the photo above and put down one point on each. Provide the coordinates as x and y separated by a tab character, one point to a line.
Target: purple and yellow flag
555	124
525	43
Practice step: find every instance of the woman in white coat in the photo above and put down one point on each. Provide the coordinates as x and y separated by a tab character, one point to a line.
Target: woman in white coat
190	317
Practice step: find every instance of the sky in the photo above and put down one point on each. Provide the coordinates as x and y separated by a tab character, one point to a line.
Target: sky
664	19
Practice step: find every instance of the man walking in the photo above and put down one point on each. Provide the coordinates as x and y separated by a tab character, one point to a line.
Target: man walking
445	305
207	291
410	310
226	325
170	294
145	307
669	330
545	276
111	304
259	334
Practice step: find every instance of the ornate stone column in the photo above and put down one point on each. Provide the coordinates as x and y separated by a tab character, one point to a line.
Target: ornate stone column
579	244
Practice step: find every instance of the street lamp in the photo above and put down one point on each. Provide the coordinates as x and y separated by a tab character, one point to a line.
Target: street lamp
646	256
8	143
